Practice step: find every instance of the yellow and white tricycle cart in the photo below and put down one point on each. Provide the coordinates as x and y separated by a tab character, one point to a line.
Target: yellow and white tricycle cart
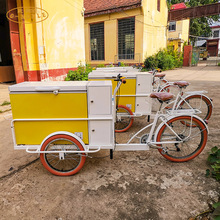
65	121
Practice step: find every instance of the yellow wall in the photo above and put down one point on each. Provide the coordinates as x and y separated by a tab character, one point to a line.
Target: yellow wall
147	19
155	28
57	42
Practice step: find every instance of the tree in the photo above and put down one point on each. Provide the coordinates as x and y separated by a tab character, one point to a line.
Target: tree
199	26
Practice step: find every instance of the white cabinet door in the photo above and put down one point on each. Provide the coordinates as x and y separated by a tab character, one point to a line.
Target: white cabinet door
144	83
99	100
143	105
101	133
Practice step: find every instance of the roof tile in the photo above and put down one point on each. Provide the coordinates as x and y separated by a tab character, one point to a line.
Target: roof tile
92	6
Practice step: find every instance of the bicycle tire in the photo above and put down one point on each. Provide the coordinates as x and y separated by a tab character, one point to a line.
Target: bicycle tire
122	124
190	148
206	107
72	162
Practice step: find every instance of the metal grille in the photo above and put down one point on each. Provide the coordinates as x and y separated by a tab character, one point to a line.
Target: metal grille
126	30
97	41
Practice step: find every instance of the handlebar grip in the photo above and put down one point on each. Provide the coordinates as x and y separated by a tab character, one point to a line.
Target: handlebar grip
123	81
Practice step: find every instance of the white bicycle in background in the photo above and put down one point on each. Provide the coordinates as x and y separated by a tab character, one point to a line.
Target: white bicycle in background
195	101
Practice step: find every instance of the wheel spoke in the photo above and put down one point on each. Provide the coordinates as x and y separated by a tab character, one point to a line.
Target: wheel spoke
191	131
70	163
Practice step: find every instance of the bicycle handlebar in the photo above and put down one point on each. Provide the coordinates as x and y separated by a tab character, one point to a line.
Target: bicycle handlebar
119	78
154	71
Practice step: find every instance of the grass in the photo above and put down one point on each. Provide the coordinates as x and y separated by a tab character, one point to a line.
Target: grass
5	111
5	103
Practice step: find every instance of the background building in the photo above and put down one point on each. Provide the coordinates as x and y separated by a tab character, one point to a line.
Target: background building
178	32
46	38
213	43
124	31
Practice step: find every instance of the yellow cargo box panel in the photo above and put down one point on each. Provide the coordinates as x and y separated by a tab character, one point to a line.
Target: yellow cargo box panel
34	132
48	105
49	100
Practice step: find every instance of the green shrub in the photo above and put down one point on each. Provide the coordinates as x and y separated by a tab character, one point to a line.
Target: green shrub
151	63
122	64
214	161
218	64
101	65
80	74
165	59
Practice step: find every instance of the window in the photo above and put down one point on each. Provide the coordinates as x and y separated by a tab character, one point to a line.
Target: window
97	41
172	26
126	31
216	34
158	5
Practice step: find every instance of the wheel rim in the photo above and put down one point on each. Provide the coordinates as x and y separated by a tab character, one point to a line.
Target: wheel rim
198	102
191	147
62	164
71	160
123	119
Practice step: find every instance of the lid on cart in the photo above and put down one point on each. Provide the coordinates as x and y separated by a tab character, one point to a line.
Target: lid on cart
109	75
49	86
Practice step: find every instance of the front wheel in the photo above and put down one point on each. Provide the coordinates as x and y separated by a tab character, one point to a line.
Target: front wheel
124	119
62	164
184	138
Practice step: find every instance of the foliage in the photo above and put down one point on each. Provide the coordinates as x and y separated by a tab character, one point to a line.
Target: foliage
212	213
165	59
101	65
198	26
218	64
122	64
151	63
214	161
80	74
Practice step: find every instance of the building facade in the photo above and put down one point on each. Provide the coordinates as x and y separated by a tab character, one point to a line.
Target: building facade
47	38
213	43
125	31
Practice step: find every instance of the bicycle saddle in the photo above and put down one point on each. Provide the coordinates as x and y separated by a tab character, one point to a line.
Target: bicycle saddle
160	75
181	84
162	96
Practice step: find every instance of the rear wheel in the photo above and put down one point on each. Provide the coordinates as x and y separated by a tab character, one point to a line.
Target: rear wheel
188	142
62	164
124	119
199	102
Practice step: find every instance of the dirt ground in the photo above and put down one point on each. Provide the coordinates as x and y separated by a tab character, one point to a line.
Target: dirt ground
134	185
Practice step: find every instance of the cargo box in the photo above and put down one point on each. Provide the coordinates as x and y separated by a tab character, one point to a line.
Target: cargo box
82	108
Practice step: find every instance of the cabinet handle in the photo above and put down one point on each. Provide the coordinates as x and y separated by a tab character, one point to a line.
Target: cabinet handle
93	130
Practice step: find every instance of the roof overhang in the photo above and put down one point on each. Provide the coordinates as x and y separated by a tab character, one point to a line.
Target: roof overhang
112	10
